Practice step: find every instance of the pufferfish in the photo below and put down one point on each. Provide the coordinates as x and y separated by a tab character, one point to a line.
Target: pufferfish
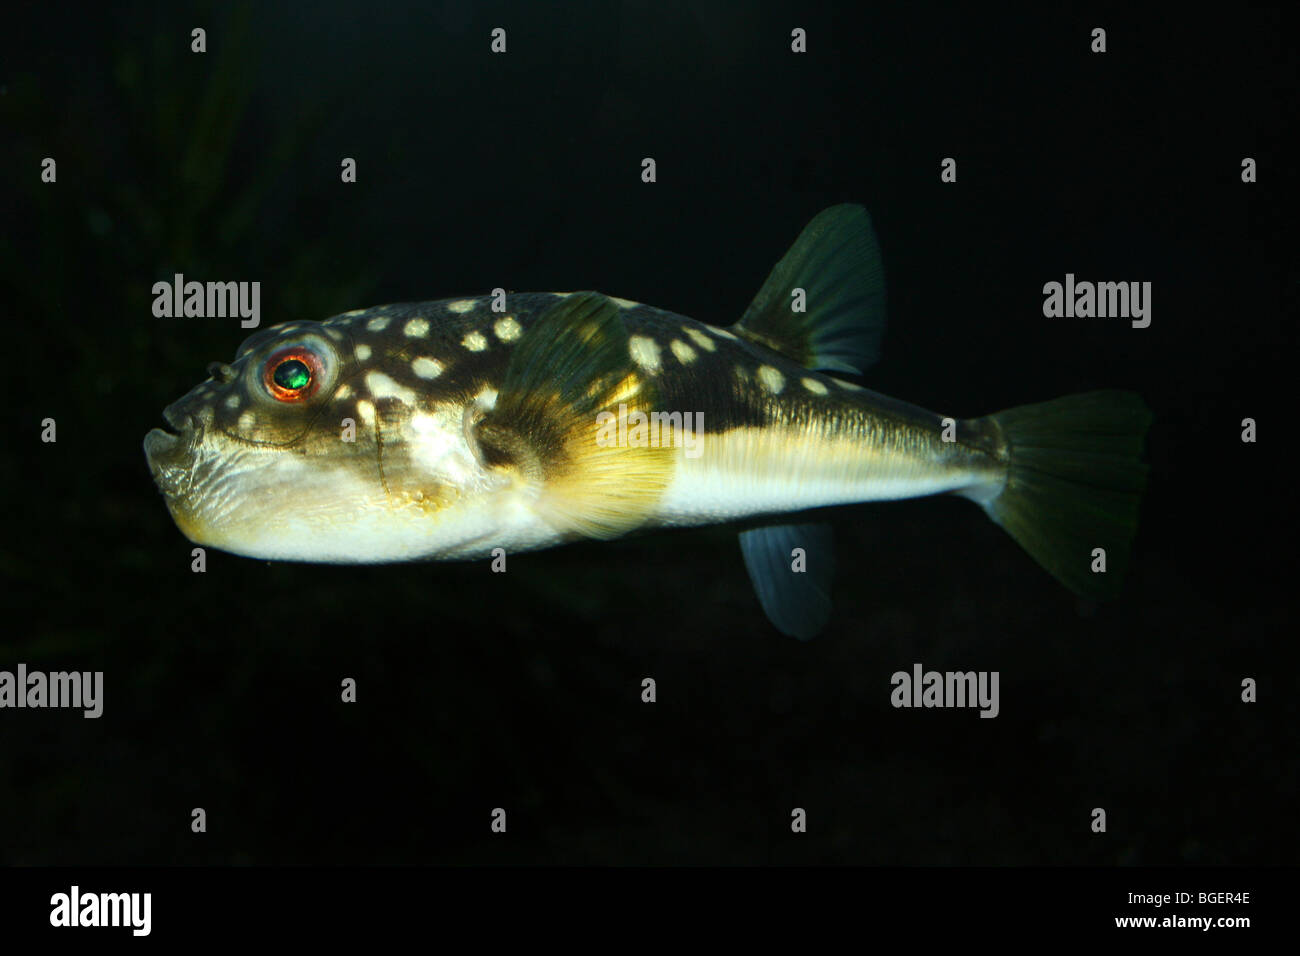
447	430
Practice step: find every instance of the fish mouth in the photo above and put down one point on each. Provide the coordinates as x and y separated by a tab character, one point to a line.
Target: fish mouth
168	451
158	442
162	439
176	422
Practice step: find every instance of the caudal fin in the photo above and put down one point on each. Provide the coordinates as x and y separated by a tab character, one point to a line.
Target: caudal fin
1074	482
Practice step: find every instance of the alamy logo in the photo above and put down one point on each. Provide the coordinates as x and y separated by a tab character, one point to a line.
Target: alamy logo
636	429
72	689
103	909
1102	300
922	688
208	300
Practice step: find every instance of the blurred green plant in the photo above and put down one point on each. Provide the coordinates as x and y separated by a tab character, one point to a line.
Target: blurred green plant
167	162
172	166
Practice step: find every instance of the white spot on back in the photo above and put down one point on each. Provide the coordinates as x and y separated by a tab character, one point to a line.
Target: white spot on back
623	303
720	333
849	386
475	342
416	328
344	391
363	353
233	401
771	379
700	339
814	386
377	324
461	306
365	412
426	367
685	354
507	329
246	420
487	397
645	352
381	386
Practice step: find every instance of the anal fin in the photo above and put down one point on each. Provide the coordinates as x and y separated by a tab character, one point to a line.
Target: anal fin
791	567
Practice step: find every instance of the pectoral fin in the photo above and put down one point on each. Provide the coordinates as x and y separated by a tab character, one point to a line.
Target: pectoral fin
569	383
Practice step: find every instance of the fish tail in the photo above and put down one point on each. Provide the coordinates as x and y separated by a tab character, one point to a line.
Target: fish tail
1073	483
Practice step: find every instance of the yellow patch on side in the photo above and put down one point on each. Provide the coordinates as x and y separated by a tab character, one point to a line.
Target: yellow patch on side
721	333
344	391
362	353
461	306
378	324
475	342
683	352
605	482
416	328
589	475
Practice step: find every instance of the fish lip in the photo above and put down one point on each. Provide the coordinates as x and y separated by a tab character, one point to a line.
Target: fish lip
169	452
160	443
176	422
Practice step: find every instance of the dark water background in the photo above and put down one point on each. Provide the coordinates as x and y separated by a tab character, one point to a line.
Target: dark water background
522	690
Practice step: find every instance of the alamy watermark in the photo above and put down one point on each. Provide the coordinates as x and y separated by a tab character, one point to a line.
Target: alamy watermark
76	908
922	688
637	429
83	690
208	300
1101	300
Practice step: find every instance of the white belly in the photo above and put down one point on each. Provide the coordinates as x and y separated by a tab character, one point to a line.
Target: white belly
751	471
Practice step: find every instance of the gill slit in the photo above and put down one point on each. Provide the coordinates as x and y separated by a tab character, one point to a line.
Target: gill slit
379	450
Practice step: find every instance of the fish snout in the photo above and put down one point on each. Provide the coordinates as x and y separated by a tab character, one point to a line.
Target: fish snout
170	451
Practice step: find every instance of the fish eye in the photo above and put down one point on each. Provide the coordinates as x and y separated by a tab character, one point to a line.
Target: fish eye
292	375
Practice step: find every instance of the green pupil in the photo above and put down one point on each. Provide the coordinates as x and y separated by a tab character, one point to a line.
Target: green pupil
292	375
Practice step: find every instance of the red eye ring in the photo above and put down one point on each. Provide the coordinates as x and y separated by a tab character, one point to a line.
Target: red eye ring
292	354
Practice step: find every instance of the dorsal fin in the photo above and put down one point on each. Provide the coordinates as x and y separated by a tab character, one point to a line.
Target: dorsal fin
836	262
